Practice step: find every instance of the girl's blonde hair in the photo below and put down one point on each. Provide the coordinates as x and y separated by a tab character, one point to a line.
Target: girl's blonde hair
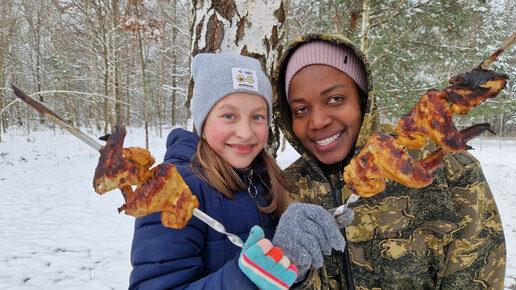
215	171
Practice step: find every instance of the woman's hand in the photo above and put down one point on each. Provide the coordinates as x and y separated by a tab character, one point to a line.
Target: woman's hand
307	232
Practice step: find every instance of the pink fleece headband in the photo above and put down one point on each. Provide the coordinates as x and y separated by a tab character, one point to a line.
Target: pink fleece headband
323	52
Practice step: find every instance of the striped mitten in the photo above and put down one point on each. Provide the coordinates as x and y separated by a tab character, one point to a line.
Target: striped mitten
264	264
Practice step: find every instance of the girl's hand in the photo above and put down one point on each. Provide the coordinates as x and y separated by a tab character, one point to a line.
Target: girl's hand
265	264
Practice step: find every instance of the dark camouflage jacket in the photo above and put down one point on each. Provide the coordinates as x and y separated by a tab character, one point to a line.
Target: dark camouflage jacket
447	235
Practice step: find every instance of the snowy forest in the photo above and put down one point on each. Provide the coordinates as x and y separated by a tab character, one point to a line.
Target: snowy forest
98	63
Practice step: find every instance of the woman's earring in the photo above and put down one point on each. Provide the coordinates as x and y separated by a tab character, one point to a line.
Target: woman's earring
203	137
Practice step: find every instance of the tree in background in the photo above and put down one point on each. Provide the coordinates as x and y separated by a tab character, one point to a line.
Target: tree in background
252	28
91	67
144	30
494	28
8	20
412	45
78	57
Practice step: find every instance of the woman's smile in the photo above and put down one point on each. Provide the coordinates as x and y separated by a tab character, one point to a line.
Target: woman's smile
327	143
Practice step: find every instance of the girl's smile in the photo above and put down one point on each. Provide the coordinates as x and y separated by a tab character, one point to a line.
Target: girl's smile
241	149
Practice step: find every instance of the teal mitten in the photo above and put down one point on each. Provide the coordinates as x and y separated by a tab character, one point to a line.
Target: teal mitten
264	264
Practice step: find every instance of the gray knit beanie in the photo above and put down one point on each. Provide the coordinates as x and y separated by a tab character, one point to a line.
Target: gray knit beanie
217	75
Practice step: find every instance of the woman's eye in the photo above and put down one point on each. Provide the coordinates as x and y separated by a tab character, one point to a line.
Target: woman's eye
300	110
258	117
335	99
229	116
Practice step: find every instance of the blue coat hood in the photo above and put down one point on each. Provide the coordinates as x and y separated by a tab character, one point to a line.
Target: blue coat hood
196	256
181	146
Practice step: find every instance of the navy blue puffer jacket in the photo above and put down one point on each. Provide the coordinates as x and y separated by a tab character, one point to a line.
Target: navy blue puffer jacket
197	257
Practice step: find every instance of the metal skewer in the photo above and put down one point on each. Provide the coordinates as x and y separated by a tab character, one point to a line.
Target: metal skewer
214	224
47	112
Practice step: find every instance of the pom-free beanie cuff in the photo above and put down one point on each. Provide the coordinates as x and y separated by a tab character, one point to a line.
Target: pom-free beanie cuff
217	75
323	52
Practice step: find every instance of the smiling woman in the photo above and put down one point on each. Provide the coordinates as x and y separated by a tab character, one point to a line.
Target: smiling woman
326	111
407	238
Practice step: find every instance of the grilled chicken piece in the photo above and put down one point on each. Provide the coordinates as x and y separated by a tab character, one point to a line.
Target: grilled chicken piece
470	89
120	166
431	117
382	157
159	189
164	192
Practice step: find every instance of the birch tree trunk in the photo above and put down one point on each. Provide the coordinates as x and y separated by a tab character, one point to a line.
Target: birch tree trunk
36	28
116	77
103	23
174	69
144	81
366	8
7	28
93	89
252	28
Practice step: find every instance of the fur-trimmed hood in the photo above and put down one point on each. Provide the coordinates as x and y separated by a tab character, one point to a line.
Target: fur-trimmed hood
282	113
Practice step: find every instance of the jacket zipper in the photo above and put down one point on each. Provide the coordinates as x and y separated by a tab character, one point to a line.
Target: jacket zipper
251	187
348	275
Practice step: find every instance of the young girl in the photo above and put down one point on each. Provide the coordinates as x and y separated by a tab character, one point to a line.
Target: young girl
235	180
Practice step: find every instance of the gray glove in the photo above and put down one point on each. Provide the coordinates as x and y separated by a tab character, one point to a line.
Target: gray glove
305	233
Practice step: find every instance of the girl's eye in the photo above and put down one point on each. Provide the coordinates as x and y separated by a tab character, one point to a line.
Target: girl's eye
258	117
229	116
335	99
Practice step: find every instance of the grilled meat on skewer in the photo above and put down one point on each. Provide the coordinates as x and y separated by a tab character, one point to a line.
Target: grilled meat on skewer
382	157
158	189
431	118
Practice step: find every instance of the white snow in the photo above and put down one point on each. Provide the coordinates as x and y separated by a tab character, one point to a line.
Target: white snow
57	233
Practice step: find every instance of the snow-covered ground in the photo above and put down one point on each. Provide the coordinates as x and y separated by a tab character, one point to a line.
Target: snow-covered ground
57	233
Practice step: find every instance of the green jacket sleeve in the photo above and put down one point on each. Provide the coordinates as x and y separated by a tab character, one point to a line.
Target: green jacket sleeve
476	258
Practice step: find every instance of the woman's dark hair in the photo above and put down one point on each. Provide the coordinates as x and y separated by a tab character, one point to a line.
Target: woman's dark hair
363	100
